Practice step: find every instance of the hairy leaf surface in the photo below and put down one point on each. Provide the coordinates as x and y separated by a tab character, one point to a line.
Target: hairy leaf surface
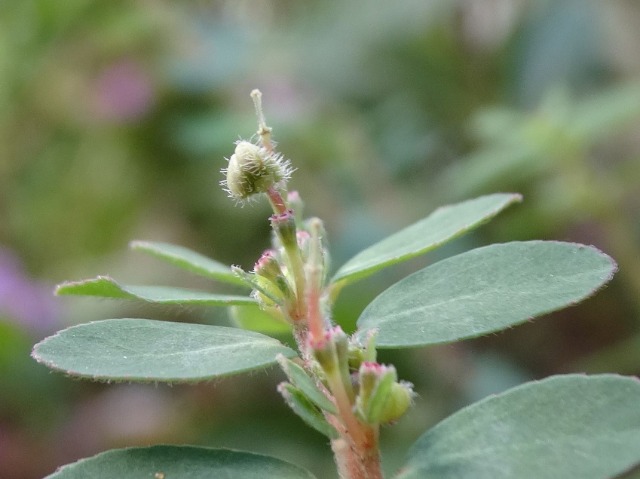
180	462
188	259
569	427
485	290
444	224
146	350
106	287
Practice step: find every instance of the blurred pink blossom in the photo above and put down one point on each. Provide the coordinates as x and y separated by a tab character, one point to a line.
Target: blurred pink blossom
23	300
123	92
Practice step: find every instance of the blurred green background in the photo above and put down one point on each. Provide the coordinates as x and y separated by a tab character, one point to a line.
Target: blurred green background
116	116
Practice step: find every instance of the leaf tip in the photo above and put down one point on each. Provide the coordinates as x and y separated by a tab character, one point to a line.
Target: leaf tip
138	244
516	197
35	352
282	360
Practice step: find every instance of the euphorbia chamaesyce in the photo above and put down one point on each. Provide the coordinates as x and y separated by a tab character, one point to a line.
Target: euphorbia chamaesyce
572	426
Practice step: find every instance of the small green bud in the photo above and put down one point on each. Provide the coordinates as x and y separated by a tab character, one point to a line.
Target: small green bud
400	399
359	353
253	169
341	340
268	267
324	351
381	398
284	226
330	349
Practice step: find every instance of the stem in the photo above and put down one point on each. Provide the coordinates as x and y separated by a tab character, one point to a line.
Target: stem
314	314
356	450
263	130
358	461
277	201
314	272
361	457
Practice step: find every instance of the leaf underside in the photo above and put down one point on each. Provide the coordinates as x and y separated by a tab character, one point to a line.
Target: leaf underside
144	350
106	287
484	290
441	226
180	462
570	427
188	260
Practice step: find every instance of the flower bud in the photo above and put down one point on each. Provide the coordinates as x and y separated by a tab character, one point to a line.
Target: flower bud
253	169
284	226
324	351
297	205
268	267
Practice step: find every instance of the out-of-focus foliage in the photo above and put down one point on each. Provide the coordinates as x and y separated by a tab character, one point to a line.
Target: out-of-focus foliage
115	118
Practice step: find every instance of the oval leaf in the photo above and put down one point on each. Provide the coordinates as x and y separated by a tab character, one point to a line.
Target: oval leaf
444	224
188	259
146	350
485	290
179	462
573	427
107	287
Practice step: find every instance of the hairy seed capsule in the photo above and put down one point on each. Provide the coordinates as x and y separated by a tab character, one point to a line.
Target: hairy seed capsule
252	169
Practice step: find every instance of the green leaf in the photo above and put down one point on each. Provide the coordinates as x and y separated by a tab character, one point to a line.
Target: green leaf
306	410
147	350
189	260
444	224
569	427
301	380
107	287
179	462
484	290
253	318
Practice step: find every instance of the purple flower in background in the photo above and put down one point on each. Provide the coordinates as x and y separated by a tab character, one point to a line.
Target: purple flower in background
123	92
24	301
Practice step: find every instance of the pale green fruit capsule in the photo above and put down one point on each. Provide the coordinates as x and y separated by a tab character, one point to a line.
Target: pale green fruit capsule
381	399
399	401
253	169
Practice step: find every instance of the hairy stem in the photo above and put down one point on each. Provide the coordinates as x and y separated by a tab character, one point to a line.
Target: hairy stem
314	272
277	201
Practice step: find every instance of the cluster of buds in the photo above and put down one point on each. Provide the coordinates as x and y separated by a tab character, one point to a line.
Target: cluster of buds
334	388
297	260
338	387
373	389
